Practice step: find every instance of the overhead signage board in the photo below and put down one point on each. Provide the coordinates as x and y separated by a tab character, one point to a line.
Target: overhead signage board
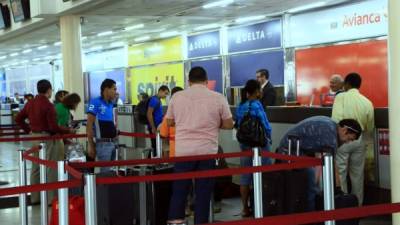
201	45
258	36
111	59
360	20
214	73
169	50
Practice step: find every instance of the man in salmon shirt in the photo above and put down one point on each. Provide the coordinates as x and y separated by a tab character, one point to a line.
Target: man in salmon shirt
167	131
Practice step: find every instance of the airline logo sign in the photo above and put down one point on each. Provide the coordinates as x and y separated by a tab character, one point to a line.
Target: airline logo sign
204	45
258	36
356	21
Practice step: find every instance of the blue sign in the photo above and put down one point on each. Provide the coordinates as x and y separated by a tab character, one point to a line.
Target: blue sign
204	45
96	78
214	73
257	36
244	67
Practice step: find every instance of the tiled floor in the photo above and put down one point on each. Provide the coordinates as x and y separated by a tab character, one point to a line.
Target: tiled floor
10	216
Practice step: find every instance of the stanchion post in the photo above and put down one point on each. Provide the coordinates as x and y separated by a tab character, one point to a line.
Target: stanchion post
23	210
158	145
90	200
211	215
257	180
62	195
328	176
43	180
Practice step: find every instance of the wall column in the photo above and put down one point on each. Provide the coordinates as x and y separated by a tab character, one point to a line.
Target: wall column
70	27
394	98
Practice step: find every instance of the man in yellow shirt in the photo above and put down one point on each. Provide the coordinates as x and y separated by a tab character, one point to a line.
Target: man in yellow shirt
350	158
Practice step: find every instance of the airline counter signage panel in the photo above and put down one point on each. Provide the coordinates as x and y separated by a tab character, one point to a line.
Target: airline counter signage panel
169	50
356	21
214	73
149	79
97	77
206	44
258	36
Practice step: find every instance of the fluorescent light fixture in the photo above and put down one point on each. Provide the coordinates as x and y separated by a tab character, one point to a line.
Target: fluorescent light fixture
249	18
117	44
24	61
137	26
26	51
206	27
42	47
105	33
14	54
96	48
144	38
169	34
58	43
36	59
221	3
3	57
306	7
83	38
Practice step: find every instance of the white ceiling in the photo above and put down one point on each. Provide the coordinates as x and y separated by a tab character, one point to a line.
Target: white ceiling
157	16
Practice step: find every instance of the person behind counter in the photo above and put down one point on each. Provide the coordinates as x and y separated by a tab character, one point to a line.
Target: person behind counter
250	104
268	97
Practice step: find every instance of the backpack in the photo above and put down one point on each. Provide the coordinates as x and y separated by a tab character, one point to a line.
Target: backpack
251	132
141	111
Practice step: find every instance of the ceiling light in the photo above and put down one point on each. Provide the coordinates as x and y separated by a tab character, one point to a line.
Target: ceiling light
58	43
42	47
83	38
221	3
96	48
26	51
206	27
306	7
248	19
3	57
134	27
117	44
169	34
14	54
36	59
144	38
105	33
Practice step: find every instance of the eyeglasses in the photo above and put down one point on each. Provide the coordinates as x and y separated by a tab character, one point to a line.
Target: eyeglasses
352	129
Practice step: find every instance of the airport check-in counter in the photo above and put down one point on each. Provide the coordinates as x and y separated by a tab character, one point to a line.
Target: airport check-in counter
5	114
284	117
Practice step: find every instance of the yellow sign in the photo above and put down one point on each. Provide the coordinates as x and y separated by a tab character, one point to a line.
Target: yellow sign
149	79
169	50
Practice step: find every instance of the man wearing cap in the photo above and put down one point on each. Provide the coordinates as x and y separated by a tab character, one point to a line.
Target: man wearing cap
350	158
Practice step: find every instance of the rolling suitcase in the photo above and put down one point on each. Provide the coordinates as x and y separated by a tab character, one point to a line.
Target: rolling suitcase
286	192
342	200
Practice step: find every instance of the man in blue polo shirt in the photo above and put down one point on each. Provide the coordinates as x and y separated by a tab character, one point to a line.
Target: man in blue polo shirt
155	112
100	127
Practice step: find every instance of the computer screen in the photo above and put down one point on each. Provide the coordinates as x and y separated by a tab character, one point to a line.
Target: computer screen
17	10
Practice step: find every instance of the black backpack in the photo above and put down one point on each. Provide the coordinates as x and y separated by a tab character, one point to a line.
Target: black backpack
251	132
141	111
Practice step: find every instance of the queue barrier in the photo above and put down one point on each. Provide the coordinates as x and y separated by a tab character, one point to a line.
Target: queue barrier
90	182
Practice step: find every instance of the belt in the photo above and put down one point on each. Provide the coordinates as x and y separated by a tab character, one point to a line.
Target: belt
98	140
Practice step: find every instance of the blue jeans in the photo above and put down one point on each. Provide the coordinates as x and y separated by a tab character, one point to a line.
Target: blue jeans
203	189
247	179
105	151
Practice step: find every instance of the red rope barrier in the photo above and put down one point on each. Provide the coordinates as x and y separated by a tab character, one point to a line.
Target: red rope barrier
47	163
320	216
204	174
288	157
75	173
39	187
141	135
31	150
43	138
160	161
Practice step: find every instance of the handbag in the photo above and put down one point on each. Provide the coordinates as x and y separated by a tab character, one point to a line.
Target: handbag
251	132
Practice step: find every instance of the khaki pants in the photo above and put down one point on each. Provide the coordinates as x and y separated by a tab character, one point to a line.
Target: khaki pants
350	159
54	152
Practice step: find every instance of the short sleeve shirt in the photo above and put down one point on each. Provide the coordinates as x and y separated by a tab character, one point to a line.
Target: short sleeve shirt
155	103
316	134
104	124
198	114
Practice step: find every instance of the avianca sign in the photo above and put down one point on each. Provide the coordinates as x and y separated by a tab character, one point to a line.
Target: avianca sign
359	20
